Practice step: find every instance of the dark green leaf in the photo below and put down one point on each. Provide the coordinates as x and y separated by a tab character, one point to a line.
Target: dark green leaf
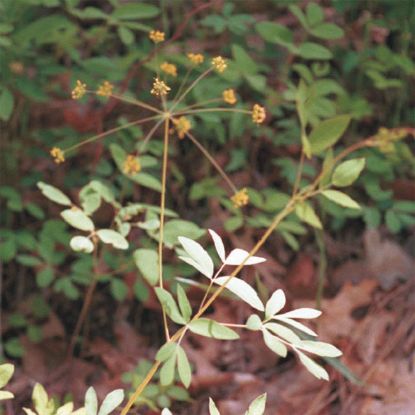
314	51
135	11
327	133
118	289
327	31
44	277
6	104
275	33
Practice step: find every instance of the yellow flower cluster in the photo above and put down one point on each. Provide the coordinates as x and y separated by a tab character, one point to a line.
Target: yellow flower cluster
16	67
182	125
169	68
105	89
196	58
219	64
156	36
258	114
385	138
159	89
131	165
79	90
57	154
229	96
240	198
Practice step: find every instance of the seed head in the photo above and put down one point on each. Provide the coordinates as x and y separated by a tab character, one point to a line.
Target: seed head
219	64
16	67
169	68
79	90
182	125
240	198
105	89
156	36
258	114
159	89
131	165
196	58
229	96
57	154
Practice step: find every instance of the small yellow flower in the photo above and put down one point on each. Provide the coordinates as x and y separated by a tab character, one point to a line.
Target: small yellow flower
131	165
159	89
196	58
169	68
183	125
79	90
105	89
385	138
219	64
57	154
258	114
156	36
240	198
229	96
16	67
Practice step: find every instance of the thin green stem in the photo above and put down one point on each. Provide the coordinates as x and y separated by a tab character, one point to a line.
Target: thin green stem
137	102
218	109
299	173
111	131
185	78
212	280
212	160
149	135
191	86
162	215
202	103
322	267
182	334
86	304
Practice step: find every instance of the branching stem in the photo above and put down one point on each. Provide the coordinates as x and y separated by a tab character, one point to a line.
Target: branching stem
111	131
212	160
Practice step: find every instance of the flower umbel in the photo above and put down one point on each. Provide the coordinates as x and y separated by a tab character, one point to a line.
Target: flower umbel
196	58
159	89
229	96
386	138
57	154
169	68
79	90
219	64
258	114
105	89
156	36
240	198
131	165
16	67
183	125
